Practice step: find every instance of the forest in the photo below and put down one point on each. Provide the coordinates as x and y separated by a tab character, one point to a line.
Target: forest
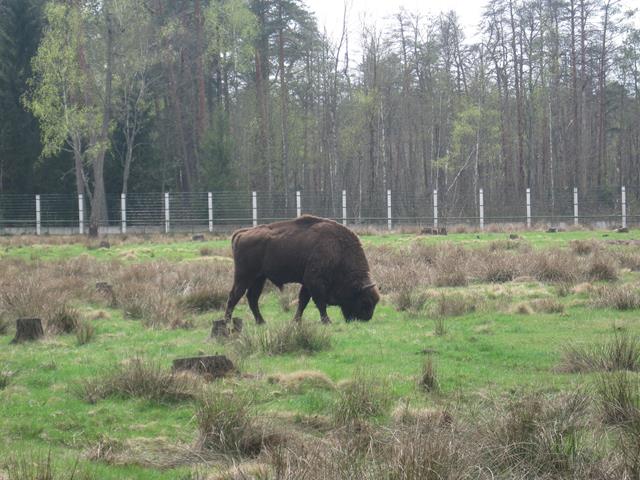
117	96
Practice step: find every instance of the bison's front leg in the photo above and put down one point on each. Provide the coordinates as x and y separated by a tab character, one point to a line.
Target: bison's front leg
303	300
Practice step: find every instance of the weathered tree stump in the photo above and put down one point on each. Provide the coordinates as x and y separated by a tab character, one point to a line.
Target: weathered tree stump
622	230
214	366
198	238
28	329
106	289
105	244
221	329
514	236
552	230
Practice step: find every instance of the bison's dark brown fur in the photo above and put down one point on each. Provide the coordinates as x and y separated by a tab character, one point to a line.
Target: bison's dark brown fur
322	255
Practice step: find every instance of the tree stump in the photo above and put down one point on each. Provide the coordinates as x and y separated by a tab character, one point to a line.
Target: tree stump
28	329
214	366
105	244
221	329
198	238
622	230
106	289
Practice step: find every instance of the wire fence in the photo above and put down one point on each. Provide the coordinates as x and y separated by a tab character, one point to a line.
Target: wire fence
224	211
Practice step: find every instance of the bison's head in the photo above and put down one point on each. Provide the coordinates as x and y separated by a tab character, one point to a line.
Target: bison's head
361	305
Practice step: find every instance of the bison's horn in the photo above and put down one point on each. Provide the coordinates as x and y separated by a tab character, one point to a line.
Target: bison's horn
367	287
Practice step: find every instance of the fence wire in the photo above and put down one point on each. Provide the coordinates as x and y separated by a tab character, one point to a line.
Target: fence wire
223	211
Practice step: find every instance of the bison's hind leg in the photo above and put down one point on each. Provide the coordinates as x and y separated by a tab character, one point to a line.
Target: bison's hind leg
253	295
236	293
303	300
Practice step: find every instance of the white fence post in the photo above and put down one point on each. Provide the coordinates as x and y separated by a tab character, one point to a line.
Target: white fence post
81	214
298	204
123	212
624	207
389	220
167	214
435	208
38	231
344	207
575	206
210	207
528	208
481	209
254	196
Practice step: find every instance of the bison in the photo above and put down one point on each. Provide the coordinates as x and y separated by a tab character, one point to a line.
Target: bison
325	257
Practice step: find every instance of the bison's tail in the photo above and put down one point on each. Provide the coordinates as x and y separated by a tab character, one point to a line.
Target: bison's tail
235	236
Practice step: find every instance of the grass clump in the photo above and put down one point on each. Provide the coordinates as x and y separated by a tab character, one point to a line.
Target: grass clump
40	466
547	305
140	378
5	378
203	300
602	268
294	337
228	425
84	332
622	352
619	297
360	399
555	267
409	300
454	305
583	247
65	319
538	437
619	395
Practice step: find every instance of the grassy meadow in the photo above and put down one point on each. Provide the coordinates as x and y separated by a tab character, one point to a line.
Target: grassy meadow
490	356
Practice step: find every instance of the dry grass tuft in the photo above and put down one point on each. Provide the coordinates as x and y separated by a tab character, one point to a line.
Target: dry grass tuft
555	267
619	297
602	268
523	308
547	305
499	268
619	397
84	332
228	425
583	247
622	352
294	337
299	382
455	305
37	465
64	319
140	378
203	300
362	398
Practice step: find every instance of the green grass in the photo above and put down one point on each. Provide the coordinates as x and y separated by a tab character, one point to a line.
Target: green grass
487	351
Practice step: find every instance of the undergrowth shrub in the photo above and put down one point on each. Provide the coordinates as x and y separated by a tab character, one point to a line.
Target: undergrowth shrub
140	378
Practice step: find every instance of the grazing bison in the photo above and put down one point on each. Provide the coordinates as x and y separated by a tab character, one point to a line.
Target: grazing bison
322	255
